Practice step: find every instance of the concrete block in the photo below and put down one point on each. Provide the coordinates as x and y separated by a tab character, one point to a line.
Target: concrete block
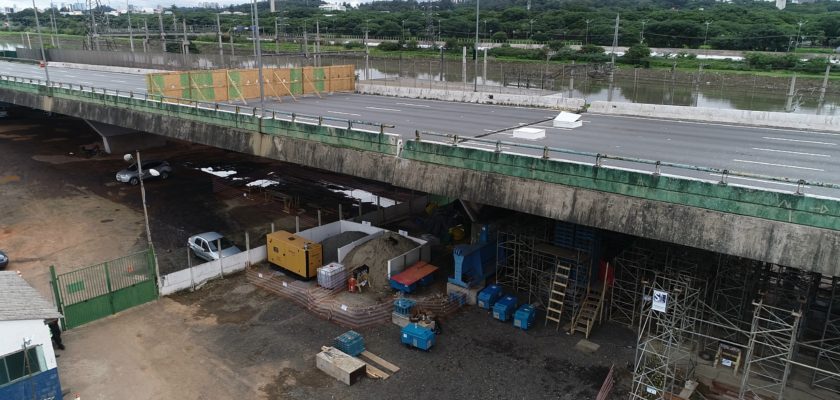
586	346
567	120
470	294
529	133
340	366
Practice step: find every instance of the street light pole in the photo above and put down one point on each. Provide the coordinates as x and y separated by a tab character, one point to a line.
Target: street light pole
475	50
642	33
41	41
146	215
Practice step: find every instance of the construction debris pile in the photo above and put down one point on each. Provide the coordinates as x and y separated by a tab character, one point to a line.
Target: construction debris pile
375	254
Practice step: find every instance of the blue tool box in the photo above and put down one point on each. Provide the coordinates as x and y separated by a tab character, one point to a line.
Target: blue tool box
524	317
403	306
488	296
350	342
504	308
417	336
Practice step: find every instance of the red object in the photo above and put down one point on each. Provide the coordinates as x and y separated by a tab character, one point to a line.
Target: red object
351	285
414	273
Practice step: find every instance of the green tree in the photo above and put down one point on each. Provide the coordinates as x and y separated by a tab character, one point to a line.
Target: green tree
636	54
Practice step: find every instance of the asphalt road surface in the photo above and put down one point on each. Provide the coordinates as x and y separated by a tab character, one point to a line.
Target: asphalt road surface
795	154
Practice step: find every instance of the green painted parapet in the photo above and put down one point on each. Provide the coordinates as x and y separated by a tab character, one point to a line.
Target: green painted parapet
797	209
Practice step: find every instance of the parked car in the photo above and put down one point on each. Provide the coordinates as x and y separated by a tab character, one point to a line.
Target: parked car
130	175
204	245
4	260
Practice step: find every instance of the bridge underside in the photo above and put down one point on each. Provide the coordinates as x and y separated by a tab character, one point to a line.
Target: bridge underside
792	245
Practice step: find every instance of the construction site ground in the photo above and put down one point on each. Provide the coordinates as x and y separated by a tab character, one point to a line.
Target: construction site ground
232	340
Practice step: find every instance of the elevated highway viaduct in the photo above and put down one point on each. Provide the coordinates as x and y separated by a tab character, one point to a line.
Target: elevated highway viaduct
794	222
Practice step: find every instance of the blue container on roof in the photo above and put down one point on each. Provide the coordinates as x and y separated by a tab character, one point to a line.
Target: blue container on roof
417	336
504	308
488	296
350	342
523	318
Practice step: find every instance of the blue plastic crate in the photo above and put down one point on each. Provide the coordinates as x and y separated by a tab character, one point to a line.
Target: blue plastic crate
403	306
350	342
417	336
523	318
488	296
504	308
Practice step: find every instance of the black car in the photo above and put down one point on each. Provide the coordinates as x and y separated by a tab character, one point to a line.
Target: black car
4	260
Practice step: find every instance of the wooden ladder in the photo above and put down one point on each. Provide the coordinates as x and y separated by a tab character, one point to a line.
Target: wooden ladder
554	310
591	311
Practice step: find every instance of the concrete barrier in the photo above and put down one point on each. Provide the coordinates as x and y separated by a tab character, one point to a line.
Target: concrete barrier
553	102
198	274
104	68
739	117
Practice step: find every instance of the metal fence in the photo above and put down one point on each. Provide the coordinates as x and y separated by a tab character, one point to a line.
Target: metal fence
100	290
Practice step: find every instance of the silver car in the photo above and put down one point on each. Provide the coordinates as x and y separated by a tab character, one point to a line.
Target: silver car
130	175
205	246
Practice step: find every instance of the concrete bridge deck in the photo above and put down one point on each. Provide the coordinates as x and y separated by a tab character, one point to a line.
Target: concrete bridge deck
778	227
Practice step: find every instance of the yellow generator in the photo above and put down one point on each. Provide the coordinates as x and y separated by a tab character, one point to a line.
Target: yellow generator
294	253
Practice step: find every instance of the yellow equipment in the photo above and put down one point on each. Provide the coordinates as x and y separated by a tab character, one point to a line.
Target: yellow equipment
294	253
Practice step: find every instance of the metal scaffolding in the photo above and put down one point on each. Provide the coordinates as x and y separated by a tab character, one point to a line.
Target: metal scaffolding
771	347
526	265
666	343
828	347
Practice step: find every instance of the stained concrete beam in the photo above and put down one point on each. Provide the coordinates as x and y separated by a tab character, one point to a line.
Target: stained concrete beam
799	246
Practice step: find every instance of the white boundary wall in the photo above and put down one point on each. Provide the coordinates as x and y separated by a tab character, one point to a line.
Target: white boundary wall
553	102
703	114
198	274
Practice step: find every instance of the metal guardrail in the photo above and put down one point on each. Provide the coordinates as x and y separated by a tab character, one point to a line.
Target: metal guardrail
600	157
453	139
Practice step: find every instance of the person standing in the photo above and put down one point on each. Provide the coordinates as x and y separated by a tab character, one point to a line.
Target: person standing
55	333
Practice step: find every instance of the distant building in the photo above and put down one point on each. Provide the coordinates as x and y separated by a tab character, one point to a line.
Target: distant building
781	4
332	7
27	361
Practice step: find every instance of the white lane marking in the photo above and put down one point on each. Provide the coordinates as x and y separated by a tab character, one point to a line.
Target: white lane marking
139	88
681	121
779	165
413	105
553	127
798	141
793	152
758	180
119	81
343	113
383	109
489	130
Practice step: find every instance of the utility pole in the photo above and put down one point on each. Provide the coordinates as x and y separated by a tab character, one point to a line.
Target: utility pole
41	41
162	33
706	35
612	58
276	37
791	94
185	45
367	53
174	24
130	30
823	88
259	57
52	24
317	43
475	50
146	39
587	30
219	34
642	33
93	27
798	35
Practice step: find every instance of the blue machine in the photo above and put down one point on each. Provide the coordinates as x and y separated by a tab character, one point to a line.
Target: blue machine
504	308
403	306
474	262
417	336
350	342
523	318
488	296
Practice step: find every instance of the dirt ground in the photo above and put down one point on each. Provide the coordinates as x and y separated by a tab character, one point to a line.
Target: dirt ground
232	341
63	209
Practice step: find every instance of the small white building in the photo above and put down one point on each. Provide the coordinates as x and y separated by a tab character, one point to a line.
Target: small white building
28	370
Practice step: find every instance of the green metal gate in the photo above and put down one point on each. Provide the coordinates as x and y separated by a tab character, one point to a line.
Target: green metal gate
97	291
